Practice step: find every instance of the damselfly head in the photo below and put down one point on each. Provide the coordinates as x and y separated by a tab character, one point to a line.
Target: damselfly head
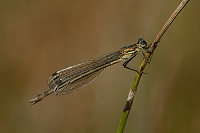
142	43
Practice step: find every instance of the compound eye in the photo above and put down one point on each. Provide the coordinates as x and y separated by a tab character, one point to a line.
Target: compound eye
139	40
143	43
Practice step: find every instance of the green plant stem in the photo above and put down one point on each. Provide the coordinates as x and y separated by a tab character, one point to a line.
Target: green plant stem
143	64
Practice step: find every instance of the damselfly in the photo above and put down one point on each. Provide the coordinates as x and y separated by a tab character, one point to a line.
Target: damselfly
75	77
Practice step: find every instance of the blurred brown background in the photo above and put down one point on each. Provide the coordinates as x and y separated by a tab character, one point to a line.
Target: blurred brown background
39	37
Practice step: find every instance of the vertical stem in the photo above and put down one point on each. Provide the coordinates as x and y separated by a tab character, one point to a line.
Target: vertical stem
152	47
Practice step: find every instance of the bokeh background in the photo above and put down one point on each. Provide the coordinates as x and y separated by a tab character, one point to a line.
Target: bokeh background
39	37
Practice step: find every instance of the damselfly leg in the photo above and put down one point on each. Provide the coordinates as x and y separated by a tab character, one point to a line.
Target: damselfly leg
126	62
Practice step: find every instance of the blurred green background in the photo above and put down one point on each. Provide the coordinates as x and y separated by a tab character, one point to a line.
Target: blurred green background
39	37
